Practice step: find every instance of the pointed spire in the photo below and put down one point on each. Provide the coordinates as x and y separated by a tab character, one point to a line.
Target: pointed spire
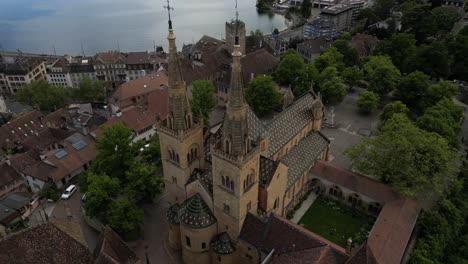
175	74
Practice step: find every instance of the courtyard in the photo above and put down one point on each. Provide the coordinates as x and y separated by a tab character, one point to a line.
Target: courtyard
337	223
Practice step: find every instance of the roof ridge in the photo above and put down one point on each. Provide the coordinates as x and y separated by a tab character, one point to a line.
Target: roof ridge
300	98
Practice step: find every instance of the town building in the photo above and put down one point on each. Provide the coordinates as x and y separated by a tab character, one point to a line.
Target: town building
19	72
364	44
357	6
110	67
321	27
340	14
14	207
10	180
138	64
58	165
69	71
312	48
320	4
230	188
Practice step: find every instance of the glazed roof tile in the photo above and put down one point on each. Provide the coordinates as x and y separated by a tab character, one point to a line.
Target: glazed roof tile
290	122
222	244
267	169
172	214
304	155
195	213
205	177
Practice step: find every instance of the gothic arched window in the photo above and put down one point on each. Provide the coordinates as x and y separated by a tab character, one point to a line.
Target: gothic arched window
227	183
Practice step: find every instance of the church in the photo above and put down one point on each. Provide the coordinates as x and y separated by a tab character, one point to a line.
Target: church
231	187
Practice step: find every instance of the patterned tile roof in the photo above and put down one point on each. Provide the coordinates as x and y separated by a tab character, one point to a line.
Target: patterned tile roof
290	122
195	213
172	214
205	177
222	244
255	126
303	156
113	250
267	168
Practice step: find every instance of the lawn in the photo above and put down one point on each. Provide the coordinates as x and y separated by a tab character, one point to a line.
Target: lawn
325	215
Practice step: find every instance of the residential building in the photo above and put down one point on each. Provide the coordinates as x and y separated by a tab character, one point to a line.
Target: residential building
3	106
459	4
148	92
110	67
312	48
23	70
320	4
8	219
81	68
321	26
57	166
58	73
229	188
340	14
113	250
138	64
278	43
357	6
10	180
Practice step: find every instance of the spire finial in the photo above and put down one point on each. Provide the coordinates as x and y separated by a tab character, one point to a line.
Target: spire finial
236	38
169	8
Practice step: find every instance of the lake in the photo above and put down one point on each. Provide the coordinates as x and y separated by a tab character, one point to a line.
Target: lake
39	25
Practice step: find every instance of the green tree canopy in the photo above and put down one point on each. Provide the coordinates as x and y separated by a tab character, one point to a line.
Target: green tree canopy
306	8
418	21
152	154
101	189
382	8
413	161
350	54
203	100
444	18
331	86
352	75
382	75
433	60
143	183
439	91
330	58
400	48
458	49
367	102
290	67
444	119
304	79
89	91
43	95
125	216
390	109
261	95
115	153
412	88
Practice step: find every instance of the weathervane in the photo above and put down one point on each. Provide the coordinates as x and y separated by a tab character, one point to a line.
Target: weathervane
169	8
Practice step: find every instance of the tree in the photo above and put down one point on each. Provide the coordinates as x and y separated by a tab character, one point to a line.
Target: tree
382	75
203	100
143	182
439	91
444	19
290	67
43	95
400	48
443	119
152	154
458	49
433	60
331	86
330	58
350	54
383	8
412	88
115	153
418	21
415	162
89	91
352	75
304	79
261	95
306	8
367	102
396	107
101	190
125	216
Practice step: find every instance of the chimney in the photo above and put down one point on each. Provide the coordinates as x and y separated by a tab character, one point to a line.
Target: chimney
349	243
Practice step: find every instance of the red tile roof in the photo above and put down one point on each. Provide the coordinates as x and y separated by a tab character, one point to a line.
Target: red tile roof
45	244
157	81
113	250
20	128
110	57
8	175
135	118
292	243
355	182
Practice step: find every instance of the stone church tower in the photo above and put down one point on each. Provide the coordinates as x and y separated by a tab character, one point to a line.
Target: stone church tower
233	29
235	160
181	135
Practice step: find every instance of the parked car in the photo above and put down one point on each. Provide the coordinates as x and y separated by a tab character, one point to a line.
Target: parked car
69	192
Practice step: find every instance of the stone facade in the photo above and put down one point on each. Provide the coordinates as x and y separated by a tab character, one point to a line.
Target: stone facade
240	167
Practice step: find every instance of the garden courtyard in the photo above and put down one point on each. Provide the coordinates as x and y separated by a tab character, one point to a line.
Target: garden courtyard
336	222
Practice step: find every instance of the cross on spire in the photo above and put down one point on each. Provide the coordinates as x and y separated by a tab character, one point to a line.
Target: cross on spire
169	8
